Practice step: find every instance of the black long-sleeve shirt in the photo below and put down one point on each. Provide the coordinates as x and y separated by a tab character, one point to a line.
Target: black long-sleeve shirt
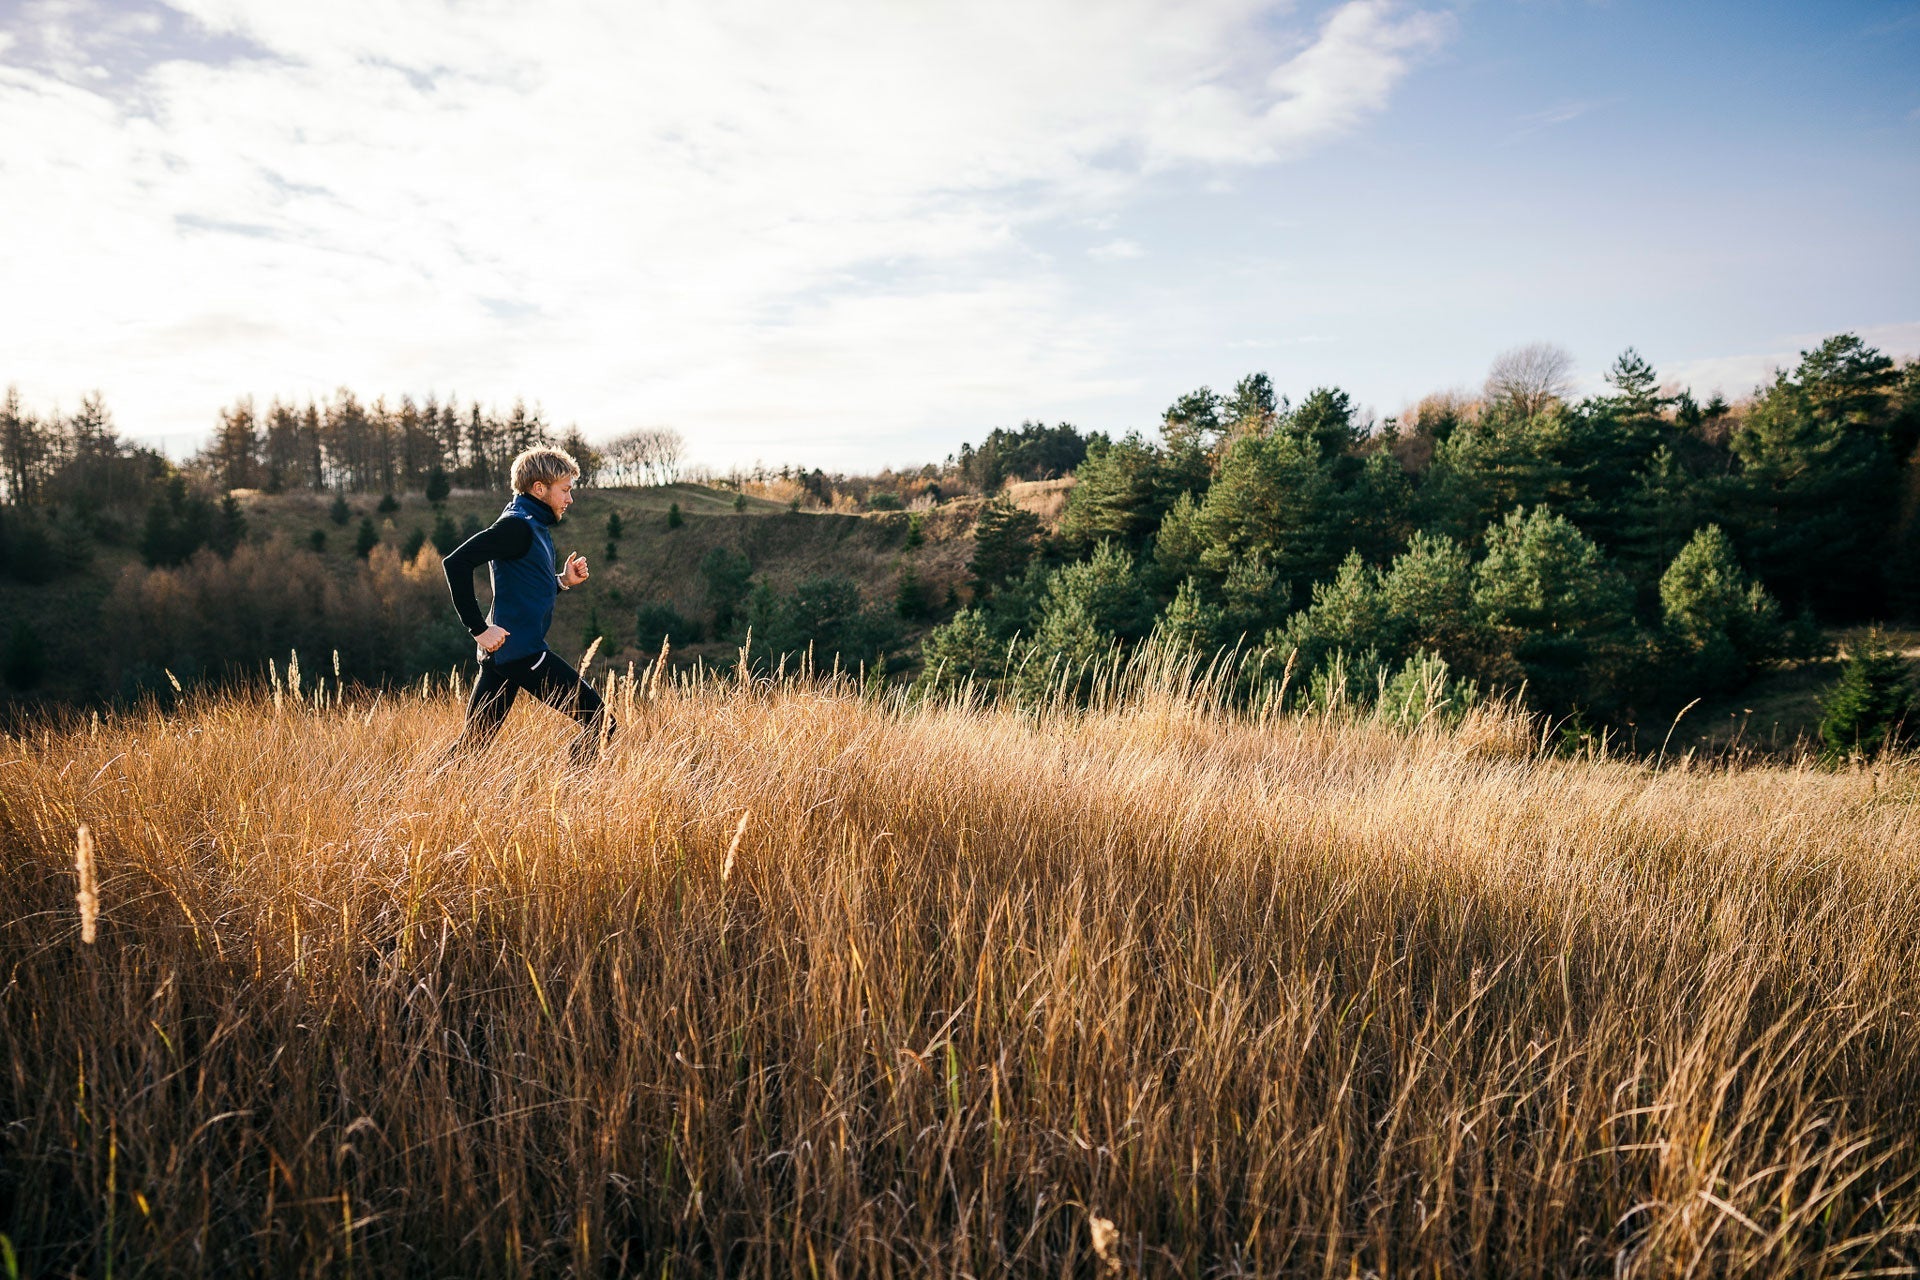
507	538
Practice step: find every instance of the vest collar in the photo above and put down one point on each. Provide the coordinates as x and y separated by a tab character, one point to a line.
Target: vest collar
525	504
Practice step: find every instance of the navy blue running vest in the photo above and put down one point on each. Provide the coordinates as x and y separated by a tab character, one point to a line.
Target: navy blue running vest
524	590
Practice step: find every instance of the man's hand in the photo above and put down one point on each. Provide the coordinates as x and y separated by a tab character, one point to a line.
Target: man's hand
491	639
575	572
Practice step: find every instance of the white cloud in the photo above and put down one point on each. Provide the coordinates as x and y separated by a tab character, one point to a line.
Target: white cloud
759	221
1118	249
1736	376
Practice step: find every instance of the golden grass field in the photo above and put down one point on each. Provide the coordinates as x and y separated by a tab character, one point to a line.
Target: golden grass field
805	982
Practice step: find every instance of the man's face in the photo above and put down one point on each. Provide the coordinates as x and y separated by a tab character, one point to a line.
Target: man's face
558	495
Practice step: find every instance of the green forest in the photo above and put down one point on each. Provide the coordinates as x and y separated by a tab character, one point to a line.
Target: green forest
1608	558
1614	557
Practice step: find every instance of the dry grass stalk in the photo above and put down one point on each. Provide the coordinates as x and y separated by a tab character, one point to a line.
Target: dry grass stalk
733	846
656	680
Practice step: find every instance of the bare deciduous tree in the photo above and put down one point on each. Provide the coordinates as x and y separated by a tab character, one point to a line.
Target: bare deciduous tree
1531	377
669	452
651	455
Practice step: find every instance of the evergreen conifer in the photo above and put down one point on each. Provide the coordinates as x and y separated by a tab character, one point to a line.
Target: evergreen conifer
1872	706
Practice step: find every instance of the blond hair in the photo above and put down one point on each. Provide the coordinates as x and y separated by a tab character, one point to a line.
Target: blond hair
542	466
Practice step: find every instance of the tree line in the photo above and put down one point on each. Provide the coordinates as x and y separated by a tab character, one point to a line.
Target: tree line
355	446
1610	556
346	444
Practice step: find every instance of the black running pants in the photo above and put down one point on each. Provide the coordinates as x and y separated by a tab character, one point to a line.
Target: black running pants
547	677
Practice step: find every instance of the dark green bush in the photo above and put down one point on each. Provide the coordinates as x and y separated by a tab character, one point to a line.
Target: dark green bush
24	664
658	622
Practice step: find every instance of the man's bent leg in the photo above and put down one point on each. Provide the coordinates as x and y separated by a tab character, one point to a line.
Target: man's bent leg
561	687
493	693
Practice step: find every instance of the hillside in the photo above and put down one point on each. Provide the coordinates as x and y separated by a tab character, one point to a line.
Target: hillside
656	563
653	563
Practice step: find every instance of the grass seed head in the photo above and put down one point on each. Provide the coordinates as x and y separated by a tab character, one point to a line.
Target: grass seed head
88	898
726	868
1105	1237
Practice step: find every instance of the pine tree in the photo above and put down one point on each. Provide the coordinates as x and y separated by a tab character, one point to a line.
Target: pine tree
1120	495
1273	500
911	600
1558	607
438	486
1349	614
1324	421
158	537
1721	623
1253	408
1636	386
1500	463
1193	422
230	529
1428	591
445	536
1191	621
1658	514
674	518
1817	477
1005	539
1872	706
24	449
236	447
368	538
339	512
964	648
1105	590
1612	443
727	574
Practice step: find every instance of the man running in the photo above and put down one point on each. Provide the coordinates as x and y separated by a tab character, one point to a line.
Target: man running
512	639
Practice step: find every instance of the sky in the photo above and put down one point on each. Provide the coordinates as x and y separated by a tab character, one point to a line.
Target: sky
854	235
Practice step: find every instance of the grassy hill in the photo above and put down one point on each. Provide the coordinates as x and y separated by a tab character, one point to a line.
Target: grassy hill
653	563
656	563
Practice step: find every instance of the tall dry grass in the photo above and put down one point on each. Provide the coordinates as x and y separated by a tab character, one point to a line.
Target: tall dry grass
805	983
